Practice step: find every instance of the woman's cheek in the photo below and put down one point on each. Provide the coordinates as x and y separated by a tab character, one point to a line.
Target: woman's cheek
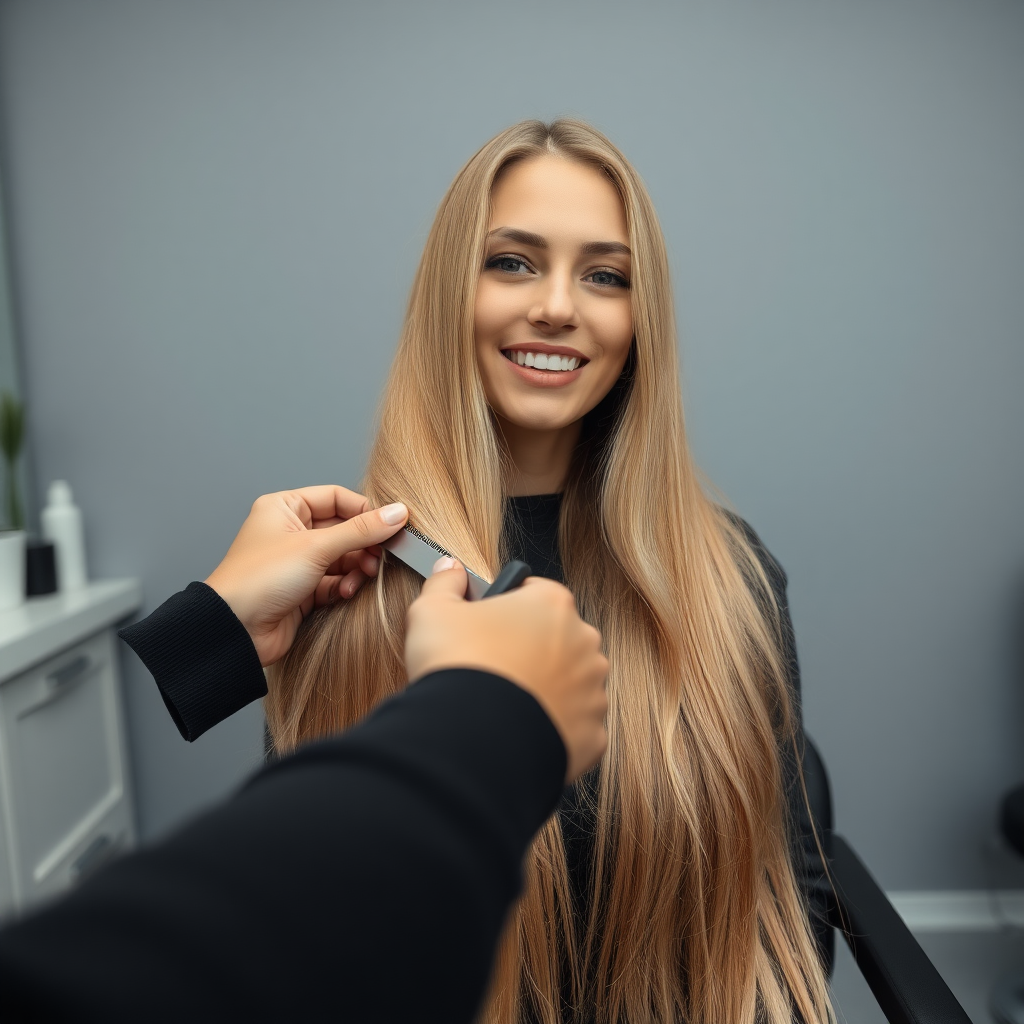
492	312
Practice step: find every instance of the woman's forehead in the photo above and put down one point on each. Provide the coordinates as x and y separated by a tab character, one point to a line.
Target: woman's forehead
553	196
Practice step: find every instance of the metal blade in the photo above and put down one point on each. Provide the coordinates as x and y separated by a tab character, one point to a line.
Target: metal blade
420	553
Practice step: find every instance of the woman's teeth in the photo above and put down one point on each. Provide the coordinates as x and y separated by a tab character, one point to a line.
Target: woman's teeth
542	361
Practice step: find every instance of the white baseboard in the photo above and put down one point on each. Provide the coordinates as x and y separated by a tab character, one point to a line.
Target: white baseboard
969	910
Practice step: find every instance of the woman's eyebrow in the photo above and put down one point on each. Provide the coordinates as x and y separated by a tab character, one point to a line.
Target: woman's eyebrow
604	249
520	236
539	242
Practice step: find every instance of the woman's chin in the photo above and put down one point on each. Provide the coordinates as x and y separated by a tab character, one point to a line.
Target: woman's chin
546	421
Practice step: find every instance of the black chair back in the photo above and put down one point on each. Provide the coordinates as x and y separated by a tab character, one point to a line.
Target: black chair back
819	792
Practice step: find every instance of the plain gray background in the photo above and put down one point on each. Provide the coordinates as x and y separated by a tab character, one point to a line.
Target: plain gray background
215	209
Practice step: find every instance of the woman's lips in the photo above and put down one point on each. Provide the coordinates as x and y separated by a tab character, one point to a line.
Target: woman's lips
543	378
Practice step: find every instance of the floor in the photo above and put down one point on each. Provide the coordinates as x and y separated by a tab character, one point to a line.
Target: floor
970	963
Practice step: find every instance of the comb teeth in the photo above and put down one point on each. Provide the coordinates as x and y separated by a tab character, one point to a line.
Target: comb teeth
426	540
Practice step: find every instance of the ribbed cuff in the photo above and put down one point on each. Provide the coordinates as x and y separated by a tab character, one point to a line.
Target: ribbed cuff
201	657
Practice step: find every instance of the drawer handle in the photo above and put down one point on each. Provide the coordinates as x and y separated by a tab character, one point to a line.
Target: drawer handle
60	681
69	674
100	850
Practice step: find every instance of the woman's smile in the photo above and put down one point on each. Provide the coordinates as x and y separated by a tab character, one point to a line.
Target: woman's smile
546	366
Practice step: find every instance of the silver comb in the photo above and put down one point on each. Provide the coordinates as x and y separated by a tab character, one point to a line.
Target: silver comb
420	553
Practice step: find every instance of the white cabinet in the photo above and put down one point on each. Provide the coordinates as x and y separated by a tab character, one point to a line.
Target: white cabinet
65	793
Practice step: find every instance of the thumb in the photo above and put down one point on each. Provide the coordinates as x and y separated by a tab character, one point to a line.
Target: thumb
448	578
360	531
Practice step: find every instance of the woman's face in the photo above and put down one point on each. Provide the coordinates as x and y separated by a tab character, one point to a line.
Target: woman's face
553	291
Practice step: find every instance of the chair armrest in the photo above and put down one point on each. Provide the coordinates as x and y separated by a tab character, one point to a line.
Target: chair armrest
905	983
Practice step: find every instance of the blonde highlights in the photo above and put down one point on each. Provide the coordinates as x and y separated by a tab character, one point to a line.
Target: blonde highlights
693	912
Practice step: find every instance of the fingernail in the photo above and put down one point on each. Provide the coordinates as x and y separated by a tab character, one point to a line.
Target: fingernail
372	565
444	562
392	514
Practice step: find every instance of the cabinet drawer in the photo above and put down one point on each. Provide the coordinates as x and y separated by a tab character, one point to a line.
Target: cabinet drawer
62	765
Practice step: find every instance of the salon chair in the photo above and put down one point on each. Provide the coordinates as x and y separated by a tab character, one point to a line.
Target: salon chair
1007	1001
908	988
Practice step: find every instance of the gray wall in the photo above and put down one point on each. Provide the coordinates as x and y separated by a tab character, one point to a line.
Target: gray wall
216	208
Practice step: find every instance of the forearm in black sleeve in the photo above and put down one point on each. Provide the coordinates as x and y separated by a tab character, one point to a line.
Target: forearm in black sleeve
365	878
202	658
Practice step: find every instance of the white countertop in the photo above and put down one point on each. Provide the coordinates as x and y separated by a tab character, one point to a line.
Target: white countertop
42	626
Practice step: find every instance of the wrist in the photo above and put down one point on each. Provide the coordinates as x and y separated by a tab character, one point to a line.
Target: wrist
232	596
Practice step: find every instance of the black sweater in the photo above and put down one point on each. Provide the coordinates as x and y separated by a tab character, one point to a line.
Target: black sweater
532	531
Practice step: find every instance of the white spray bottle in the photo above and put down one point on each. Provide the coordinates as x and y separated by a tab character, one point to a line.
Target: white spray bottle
62	524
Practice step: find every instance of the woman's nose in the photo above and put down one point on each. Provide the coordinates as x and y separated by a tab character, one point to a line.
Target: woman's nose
554	308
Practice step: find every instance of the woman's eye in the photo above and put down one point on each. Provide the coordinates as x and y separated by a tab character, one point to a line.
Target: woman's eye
507	264
608	279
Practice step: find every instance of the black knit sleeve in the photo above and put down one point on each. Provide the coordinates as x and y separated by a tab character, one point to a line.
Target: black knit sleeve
202	658
808	865
366	878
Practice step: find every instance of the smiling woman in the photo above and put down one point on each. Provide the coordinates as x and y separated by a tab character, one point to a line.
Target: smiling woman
676	881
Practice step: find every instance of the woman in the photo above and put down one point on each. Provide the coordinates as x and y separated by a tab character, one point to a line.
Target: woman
665	889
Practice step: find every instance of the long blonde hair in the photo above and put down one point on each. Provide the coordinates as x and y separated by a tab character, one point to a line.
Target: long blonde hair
694	913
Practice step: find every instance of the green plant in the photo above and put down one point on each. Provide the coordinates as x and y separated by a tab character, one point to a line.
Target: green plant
12	431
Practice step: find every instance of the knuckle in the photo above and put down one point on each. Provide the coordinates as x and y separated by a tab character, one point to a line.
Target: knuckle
361	526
